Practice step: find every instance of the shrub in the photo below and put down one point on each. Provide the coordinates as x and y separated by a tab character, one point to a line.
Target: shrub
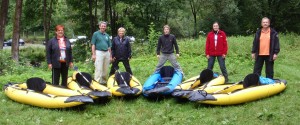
5	61
153	37
33	56
81	50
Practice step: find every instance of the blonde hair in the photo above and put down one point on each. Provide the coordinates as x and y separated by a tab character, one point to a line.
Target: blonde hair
166	26
122	29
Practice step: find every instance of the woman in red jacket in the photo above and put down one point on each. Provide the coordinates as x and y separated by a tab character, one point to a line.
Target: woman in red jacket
216	47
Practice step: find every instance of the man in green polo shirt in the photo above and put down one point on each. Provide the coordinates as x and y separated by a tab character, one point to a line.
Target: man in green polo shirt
101	53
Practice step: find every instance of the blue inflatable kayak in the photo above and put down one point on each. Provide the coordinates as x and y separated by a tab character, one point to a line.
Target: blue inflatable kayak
162	82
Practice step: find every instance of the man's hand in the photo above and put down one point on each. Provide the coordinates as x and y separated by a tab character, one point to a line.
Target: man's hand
274	56
50	66
93	57
71	65
223	56
112	59
253	56
207	56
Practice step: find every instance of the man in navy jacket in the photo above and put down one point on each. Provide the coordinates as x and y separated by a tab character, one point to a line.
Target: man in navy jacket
265	48
121	51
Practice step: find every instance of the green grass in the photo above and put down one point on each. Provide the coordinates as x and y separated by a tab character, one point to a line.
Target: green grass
279	109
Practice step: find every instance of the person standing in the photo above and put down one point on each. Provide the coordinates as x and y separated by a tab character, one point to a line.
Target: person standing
216	47
166	44
101	48
265	48
120	51
59	56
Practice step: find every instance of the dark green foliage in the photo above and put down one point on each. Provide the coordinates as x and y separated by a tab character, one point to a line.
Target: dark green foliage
81	50
33	56
152	38
5	61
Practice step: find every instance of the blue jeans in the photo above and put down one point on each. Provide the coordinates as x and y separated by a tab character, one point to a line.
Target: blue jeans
221	60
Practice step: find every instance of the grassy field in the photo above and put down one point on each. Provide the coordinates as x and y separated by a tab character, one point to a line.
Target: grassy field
279	109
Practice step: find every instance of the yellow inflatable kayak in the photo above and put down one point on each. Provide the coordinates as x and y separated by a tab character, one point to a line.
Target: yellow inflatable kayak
85	80
124	84
72	84
230	94
36	96
206	79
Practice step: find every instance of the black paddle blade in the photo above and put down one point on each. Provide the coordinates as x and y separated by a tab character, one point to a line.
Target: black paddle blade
79	98
206	75
100	94
135	90
181	93
157	91
125	90
200	95
251	80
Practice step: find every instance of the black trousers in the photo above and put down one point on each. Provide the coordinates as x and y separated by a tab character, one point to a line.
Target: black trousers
259	62
115	65
56	72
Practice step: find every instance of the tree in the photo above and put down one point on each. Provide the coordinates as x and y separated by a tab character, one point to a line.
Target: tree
3	17
195	6
92	25
47	18
16	31
31	17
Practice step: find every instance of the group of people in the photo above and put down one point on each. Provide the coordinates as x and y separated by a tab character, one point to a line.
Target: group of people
265	49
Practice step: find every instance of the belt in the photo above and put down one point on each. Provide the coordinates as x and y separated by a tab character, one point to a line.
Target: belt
103	50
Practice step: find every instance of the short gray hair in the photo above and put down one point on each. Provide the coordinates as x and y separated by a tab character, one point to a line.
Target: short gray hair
102	22
266	19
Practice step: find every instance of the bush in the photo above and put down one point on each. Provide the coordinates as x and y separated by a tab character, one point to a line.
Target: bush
153	37
81	50
32	56
5	61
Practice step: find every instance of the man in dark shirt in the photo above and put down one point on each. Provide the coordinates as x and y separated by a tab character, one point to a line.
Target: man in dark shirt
121	52
265	48
166	44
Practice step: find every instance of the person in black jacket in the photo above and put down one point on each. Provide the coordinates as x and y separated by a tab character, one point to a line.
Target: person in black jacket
265	48
120	51
166	44
59	56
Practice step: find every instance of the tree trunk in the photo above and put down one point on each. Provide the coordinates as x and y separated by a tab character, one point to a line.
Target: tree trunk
91	17
194	9
16	31
195	25
47	19
106	9
3	17
112	18
167	16
95	18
